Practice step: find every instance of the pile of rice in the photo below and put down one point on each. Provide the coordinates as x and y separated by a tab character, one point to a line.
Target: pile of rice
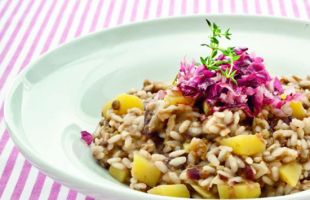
159	132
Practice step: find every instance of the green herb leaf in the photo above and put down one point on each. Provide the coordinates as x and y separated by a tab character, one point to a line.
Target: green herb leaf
210	61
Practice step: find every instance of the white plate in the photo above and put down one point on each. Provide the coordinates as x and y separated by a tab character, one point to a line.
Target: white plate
62	93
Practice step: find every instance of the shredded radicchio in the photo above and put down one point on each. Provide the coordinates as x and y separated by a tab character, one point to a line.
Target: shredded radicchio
87	137
254	87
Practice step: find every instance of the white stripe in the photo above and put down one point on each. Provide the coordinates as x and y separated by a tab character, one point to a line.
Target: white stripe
76	20
29	183
226	6
89	17
63	193
251	7
14	177
62	25
289	8
102	15
152	10
80	196
115	14
302	9
5	155
129	6
47	186
264	7
239	6
276	8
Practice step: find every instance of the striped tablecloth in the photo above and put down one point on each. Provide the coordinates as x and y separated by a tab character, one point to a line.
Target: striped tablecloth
29	28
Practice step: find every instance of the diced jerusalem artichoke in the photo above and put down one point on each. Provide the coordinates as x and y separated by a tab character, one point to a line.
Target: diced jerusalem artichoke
298	109
118	174
239	191
203	192
145	171
177	190
106	108
290	173
177	98
245	145
125	102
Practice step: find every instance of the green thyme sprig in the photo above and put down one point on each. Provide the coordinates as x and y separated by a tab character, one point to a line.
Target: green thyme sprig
210	61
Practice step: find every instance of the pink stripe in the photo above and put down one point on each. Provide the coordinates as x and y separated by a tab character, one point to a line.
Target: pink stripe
257	7
245	6
220	4
10	19
55	26
270	7
38	36
5	8
307	7
83	18
96	16
54	191
208	6
282	8
36	189
147	9
122	12
295	8
4	140
72	195
171	8
196	6
8	170
109	14
159	8
233	6
134	11
183	7
19	187
89	198
21	45
69	22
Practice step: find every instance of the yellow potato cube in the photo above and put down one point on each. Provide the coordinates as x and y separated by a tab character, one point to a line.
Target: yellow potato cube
290	173
245	145
176	98
122	103
239	191
298	109
118	174
177	190
145	171
203	192
106	108
127	102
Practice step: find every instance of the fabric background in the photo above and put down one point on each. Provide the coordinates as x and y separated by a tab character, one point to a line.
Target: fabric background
29	28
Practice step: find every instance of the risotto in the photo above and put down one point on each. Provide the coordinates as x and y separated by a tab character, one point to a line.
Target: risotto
223	129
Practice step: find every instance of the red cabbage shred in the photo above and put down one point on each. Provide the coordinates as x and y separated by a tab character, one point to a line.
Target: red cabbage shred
87	137
254	87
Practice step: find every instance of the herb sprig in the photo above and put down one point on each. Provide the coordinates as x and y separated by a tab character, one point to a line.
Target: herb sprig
210	61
